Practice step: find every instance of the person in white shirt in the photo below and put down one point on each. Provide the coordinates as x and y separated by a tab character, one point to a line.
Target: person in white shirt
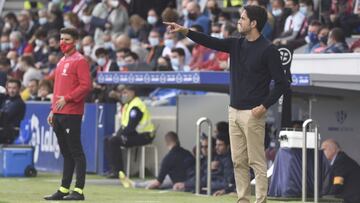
293	24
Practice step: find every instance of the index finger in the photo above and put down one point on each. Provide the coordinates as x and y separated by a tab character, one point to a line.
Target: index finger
168	23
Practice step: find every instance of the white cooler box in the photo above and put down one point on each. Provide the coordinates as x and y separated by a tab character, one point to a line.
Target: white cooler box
294	139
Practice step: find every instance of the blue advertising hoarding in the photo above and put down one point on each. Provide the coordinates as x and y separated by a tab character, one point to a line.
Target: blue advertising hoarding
180	78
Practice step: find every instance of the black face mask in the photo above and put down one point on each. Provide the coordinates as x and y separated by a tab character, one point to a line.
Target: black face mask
192	16
287	12
324	39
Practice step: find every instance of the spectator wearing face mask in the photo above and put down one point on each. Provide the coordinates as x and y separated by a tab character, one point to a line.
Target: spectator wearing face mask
105	64
4	43
322	40
44	20
133	63
154	21
195	17
280	14
120	58
212	10
38	48
311	38
109	16
177	59
336	42
294	26
171	41
156	47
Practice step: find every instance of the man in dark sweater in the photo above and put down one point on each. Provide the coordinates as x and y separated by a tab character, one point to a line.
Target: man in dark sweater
177	163
254	62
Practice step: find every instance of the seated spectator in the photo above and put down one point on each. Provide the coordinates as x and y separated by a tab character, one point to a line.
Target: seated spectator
154	22
45	90
344	172
195	17
221	127
27	25
307	8
294	26
33	87
178	163
322	37
136	130
17	42
138	29
200	54
38	48
12	111
171	41
105	64
109	16
218	61
311	38
133	63
4	70
124	41
336	42
355	46
177	59
223	180
156	47
120	57
26	64
10	23
212	11
163	64
189	184
5	43
280	14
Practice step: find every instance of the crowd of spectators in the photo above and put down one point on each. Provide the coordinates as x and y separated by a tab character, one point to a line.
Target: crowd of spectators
128	35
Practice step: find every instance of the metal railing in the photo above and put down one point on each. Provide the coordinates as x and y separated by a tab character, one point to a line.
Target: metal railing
316	161
197	172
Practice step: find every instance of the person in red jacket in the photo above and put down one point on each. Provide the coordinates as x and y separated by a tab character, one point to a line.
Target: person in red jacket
72	84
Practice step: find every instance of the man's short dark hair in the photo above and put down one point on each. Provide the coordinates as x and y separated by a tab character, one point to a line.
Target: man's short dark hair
132	55
70	31
222	126
173	137
101	51
17	82
131	88
338	34
180	51
258	14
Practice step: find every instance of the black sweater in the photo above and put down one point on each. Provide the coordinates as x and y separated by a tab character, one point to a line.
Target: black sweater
253	64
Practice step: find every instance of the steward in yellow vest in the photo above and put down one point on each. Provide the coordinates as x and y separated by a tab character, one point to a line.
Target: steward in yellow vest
136	129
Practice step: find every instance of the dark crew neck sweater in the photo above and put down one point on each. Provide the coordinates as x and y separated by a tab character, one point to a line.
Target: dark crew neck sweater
253	64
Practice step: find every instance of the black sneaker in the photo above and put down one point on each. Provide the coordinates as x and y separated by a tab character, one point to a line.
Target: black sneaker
56	196
74	196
